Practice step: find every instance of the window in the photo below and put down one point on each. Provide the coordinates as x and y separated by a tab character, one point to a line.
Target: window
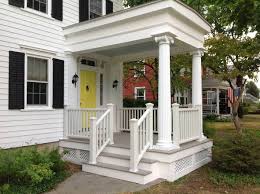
39	5
101	89
95	9
140	93
37	81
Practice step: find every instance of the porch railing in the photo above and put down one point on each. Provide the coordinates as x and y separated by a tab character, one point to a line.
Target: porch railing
126	114
186	125
77	121
141	136
101	133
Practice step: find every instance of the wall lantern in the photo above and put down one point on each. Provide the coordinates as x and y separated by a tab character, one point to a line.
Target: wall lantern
115	84
75	79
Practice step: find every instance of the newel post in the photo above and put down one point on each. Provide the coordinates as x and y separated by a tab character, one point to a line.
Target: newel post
133	145
112	125
200	123
149	106
176	124
93	141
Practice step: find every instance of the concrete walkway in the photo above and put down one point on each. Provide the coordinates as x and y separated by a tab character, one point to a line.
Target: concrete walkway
87	183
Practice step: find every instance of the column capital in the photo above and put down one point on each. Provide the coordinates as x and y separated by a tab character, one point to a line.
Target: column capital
164	39
198	53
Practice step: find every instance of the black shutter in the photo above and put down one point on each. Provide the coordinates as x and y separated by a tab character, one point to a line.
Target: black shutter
109	7
83	10
58	83
57	9
17	3
16	80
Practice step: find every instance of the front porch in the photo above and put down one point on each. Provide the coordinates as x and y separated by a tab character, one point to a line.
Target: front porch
165	142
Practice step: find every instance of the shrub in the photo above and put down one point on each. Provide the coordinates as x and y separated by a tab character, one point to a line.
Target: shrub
238	153
28	167
127	102
211	117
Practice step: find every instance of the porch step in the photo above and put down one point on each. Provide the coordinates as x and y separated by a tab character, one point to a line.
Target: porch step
119	172
124	161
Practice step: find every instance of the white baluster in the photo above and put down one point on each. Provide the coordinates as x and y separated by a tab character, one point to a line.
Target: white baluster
111	107
176	126
93	140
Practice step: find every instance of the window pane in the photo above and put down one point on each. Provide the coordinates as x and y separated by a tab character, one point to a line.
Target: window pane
43	88
36	5
43	70
29	87
37	69
30	3
29	99
43	8
30	68
36	98
43	99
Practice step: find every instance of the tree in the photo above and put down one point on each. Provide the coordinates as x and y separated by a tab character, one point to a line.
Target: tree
180	74
230	52
252	89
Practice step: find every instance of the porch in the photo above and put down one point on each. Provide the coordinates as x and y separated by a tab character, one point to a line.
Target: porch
165	142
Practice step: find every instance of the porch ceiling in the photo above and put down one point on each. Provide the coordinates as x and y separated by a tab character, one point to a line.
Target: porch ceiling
131	32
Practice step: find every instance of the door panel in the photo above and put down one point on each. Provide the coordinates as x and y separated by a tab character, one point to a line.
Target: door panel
87	89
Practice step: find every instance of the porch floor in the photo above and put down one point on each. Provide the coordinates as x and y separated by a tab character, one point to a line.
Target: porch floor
122	139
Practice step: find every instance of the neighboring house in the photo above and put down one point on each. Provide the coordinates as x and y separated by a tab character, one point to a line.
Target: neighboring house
61	80
138	87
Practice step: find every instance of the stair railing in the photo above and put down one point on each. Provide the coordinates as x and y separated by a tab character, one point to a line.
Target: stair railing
141	136
101	133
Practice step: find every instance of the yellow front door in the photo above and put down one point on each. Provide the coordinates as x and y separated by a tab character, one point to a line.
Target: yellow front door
87	89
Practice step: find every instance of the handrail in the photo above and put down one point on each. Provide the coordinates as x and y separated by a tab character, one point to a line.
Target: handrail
101	133
103	116
143	117
141	136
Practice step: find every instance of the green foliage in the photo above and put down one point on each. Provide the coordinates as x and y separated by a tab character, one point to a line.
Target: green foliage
129	102
27	170
208	131
238	153
233	179
252	89
211	117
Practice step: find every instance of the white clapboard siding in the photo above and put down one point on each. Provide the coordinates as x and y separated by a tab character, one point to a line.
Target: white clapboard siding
20	27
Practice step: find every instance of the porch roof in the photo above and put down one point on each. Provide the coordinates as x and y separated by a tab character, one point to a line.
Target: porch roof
131	32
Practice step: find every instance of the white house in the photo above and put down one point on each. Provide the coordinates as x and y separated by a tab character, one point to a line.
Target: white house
61	80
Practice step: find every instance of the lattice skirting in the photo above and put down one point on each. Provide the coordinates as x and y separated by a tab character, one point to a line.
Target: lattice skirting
75	155
185	165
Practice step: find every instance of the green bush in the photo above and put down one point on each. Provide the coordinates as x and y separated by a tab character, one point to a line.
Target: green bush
127	102
28	168
238	153
211	117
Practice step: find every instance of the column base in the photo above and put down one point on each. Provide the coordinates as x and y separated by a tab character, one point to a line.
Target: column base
202	138
165	146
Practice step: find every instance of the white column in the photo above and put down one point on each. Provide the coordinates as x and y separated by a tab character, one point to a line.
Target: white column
196	78
164	93
197	86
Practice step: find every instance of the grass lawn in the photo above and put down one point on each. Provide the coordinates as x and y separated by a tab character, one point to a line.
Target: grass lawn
208	181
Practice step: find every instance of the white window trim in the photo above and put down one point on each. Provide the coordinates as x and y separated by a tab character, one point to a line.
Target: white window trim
50	85
137	88
48	14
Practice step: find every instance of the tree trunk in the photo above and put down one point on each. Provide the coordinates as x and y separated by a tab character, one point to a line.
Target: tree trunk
235	117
